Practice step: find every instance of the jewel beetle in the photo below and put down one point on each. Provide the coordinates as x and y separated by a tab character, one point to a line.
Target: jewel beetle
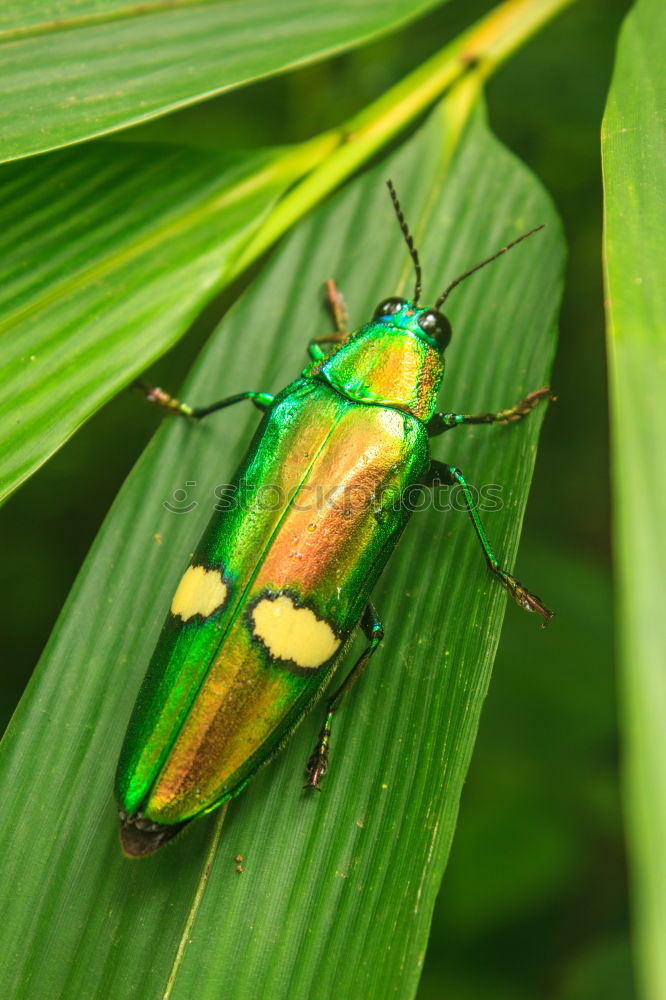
283	575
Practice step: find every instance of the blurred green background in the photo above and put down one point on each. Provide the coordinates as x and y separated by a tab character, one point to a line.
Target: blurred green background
531	909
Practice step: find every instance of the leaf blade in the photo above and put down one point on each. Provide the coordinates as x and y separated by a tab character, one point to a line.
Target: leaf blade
101	281
634	148
369	852
104	66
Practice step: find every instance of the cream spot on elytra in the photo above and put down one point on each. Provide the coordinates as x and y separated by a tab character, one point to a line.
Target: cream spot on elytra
200	592
291	633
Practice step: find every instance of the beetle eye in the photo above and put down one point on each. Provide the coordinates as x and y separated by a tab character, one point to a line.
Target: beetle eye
389	307
437	326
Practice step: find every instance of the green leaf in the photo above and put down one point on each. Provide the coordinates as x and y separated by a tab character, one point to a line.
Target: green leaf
634	153
106	65
110	251
337	891
109	254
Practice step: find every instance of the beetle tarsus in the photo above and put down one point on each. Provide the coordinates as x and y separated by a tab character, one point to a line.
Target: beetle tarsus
317	765
524	598
160	398
525	405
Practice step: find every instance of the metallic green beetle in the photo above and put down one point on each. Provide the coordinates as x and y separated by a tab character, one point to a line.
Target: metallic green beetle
283	577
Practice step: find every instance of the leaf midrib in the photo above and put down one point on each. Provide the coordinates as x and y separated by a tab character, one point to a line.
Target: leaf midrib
73	23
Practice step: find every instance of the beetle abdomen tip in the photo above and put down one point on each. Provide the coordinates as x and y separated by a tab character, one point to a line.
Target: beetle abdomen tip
139	838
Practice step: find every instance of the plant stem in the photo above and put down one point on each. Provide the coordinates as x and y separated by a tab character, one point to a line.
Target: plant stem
476	52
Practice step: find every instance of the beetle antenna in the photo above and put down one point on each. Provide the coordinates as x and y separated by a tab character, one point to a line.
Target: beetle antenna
414	254
483	263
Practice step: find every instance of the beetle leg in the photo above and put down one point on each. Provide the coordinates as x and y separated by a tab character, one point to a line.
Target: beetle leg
262	400
373	630
441	422
448	474
338	310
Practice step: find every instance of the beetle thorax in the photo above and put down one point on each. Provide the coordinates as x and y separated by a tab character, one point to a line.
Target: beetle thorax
387	366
